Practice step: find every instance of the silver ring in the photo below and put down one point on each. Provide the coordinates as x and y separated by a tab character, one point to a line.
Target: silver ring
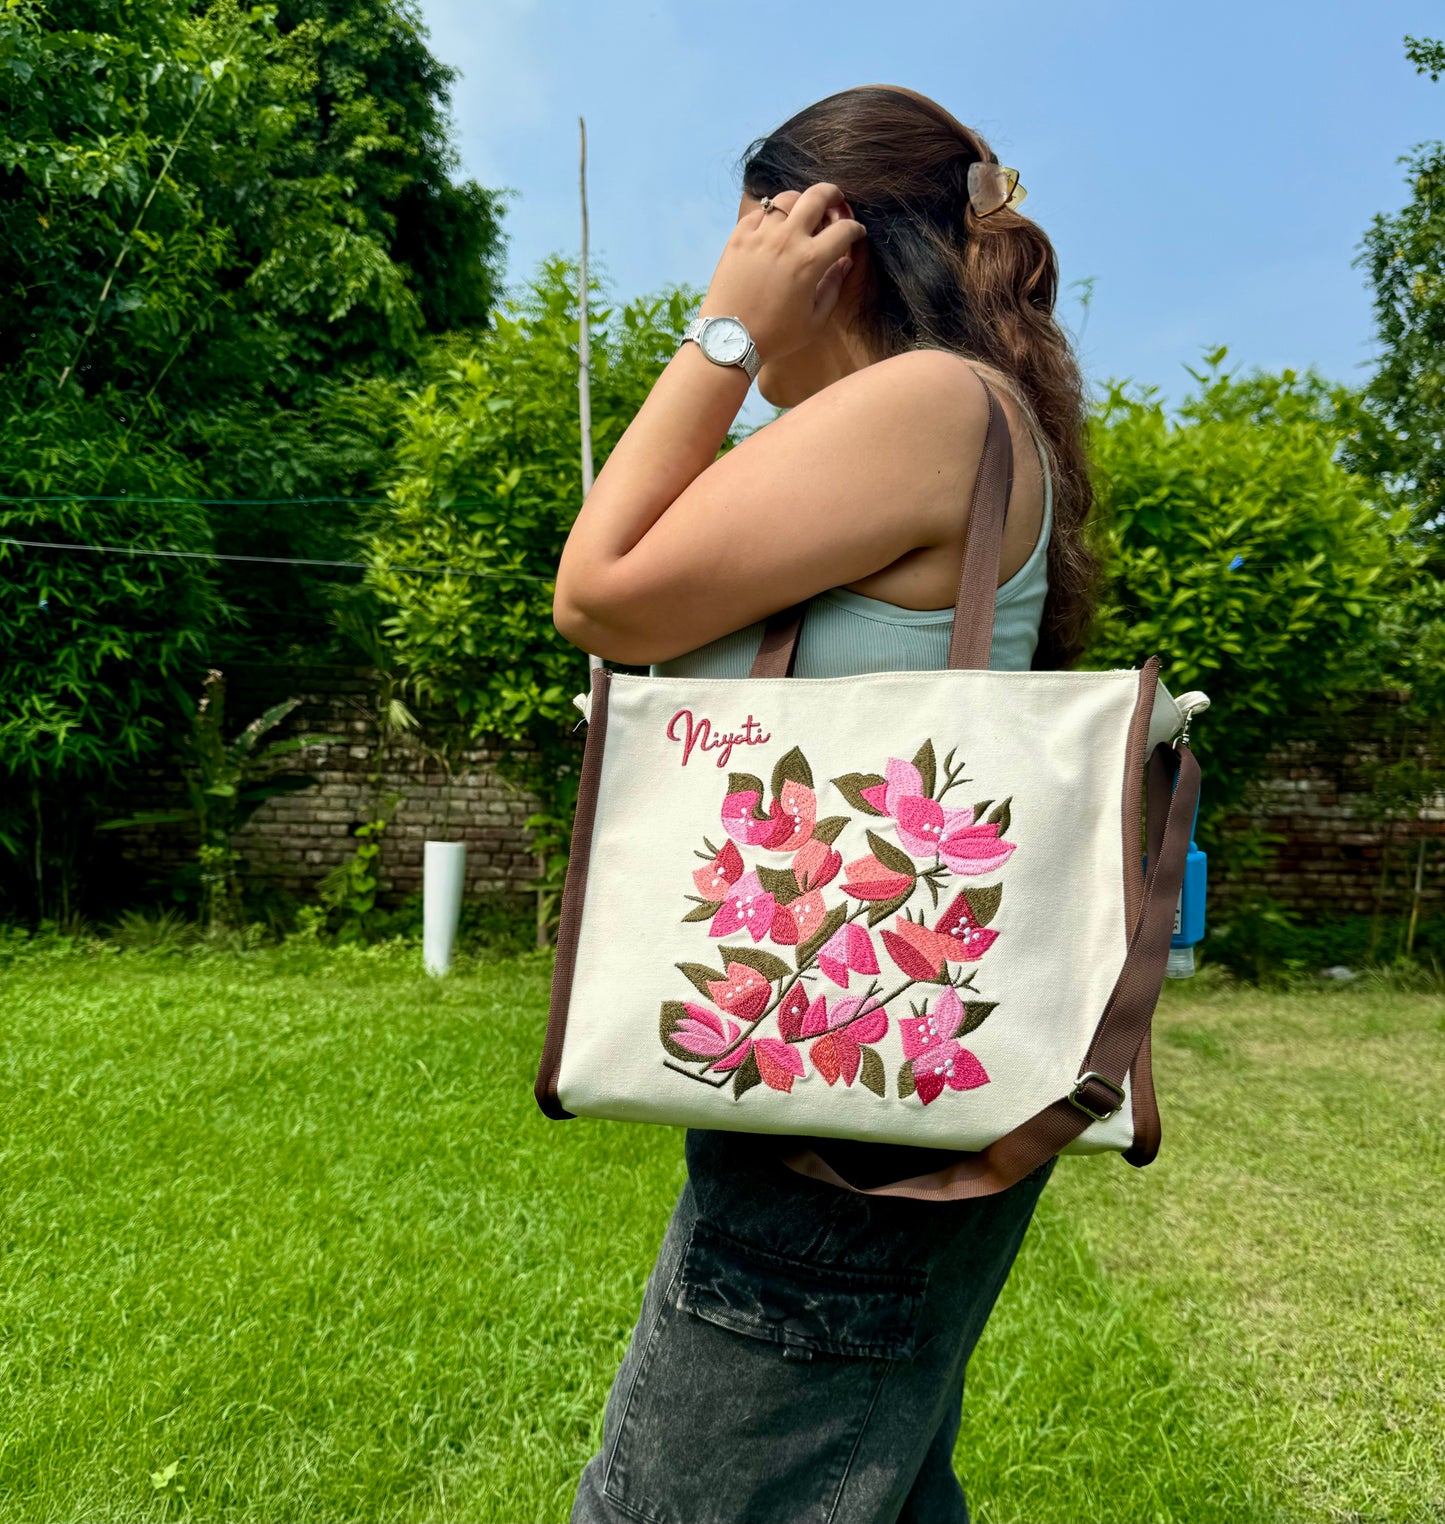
769	205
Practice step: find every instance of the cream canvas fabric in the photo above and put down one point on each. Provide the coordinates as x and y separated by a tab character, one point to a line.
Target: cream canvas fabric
1046	758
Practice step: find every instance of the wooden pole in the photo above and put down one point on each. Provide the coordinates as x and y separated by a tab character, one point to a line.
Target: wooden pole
584	353
1415	898
584	411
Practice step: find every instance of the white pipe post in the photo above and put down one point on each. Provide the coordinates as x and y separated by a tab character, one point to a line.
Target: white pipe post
444	873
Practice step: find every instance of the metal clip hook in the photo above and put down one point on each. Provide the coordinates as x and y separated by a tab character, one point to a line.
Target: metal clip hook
1190	703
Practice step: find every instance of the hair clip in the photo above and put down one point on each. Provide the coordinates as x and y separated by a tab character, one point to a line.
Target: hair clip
992	186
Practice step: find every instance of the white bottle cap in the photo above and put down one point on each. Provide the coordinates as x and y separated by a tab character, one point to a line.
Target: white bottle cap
1181	963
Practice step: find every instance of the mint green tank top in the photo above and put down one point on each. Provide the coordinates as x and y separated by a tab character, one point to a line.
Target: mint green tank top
845	632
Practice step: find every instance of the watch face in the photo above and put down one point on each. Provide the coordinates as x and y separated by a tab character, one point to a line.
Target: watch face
725	340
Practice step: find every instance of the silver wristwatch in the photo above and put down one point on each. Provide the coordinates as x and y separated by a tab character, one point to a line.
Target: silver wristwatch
725	341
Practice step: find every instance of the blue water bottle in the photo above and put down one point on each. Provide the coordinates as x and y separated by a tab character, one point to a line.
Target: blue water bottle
1189	912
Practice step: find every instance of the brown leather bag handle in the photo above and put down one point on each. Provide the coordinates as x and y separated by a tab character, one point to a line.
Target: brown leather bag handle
971	644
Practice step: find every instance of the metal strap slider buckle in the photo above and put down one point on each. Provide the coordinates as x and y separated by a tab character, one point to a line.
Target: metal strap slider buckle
1116	1090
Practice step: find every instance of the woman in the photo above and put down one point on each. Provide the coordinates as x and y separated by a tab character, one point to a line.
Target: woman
801	1348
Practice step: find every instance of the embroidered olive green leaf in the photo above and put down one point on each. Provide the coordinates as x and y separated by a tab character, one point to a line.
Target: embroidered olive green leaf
881	909
891	856
1000	813
984	902
827	830
746	1075
700	974
781	883
872	1073
850	785
712	851
975	1013
923	761
792	765
703	912
741	783
674	1011
766	963
826	927
905	1081
978	809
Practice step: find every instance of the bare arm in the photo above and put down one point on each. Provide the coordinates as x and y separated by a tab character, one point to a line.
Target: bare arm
674	547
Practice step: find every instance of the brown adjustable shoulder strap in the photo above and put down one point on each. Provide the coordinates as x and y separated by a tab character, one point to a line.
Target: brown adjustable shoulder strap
1173	792
971	643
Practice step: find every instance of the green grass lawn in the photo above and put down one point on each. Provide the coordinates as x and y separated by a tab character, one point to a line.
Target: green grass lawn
283	1236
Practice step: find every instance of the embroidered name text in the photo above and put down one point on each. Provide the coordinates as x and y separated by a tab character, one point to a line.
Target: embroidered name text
698	734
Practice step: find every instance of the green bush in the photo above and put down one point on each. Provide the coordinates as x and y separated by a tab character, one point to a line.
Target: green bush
1261	939
1241	552
488	481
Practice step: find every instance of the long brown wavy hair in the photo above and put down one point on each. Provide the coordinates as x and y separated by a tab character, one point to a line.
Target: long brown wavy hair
945	278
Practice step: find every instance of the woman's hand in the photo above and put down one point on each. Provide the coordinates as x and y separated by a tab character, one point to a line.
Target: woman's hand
781	273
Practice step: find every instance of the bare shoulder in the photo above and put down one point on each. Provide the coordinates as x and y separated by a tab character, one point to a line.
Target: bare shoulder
906	432
909	432
932	386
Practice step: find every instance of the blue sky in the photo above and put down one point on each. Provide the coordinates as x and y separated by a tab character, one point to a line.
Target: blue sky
1211	172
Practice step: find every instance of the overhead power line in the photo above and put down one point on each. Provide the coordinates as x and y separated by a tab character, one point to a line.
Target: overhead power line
215	555
215	502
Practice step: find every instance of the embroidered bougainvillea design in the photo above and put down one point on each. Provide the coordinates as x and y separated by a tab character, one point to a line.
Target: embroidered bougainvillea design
798	983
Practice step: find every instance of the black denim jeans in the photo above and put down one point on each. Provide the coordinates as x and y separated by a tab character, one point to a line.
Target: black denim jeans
801	1349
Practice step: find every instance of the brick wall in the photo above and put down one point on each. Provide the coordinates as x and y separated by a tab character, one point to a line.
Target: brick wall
1312	794
294	839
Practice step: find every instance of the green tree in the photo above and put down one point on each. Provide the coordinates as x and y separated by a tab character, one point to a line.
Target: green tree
227	232
87	642
231	226
1401	439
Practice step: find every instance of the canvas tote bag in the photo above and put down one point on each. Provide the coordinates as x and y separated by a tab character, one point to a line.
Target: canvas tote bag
901	906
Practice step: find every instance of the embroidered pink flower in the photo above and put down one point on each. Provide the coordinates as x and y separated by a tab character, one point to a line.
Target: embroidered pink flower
788	824
959	927
934	1054
743	993
976	848
900	780
852	1023
748	907
704	1032
778	1063
713	878
796	812
921	951
867	879
815	863
797	921
783	902
923	823
850	948
793	1011
740	821
918	950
